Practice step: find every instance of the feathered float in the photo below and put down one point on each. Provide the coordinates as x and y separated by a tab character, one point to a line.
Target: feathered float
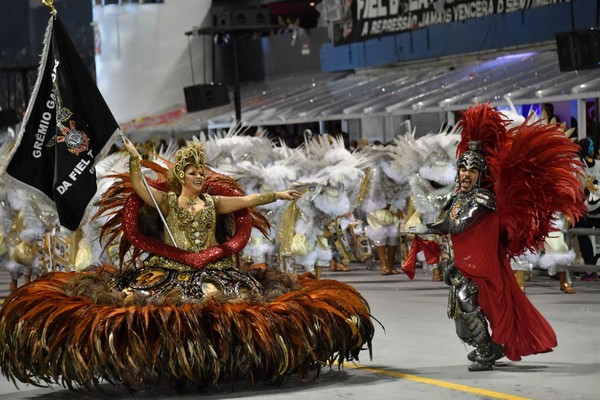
80	330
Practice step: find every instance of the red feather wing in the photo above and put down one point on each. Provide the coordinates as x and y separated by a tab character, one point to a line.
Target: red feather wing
535	177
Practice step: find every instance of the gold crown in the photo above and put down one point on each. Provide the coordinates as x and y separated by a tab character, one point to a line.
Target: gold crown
191	154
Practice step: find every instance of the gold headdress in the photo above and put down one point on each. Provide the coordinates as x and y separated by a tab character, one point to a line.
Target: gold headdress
192	154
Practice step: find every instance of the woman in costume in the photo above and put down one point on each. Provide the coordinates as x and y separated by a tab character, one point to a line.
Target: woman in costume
183	318
190	217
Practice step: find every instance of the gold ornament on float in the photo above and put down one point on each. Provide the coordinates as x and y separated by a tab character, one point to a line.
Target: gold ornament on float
3	244
24	253
15	229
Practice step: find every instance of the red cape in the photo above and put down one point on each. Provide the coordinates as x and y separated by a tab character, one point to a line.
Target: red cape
431	250
514	321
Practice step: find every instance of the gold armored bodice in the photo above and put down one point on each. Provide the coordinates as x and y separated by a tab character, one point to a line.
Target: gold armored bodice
192	232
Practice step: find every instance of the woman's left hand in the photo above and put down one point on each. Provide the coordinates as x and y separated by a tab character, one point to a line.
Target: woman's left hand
290	194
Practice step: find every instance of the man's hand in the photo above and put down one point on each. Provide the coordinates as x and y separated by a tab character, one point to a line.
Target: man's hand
418	229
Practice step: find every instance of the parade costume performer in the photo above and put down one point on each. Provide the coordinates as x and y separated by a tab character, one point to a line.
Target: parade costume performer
557	255
431	184
256	174
21	243
508	179
187	316
386	195
330	190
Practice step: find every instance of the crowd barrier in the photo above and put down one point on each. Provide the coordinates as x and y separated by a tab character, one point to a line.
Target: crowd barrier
569	235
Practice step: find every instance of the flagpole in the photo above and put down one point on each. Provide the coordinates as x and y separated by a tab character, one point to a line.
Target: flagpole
159	212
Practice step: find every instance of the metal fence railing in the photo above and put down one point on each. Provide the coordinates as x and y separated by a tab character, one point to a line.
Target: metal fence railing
569	235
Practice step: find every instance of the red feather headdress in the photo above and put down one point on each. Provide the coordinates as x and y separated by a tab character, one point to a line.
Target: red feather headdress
486	125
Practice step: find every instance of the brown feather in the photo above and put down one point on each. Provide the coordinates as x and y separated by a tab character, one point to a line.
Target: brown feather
68	339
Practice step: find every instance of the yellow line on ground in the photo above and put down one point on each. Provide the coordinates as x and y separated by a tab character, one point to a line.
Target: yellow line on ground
435	382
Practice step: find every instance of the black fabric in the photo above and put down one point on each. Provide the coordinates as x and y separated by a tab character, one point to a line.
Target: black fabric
68	126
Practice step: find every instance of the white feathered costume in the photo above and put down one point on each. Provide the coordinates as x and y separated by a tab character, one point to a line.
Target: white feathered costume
331	190
280	174
388	189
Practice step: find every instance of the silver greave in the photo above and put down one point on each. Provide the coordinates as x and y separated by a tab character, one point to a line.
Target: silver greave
463	292
471	328
471	324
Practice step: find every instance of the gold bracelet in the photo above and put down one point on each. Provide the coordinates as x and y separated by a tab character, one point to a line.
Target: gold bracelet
135	168
265	198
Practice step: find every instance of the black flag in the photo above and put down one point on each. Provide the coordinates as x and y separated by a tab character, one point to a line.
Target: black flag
66	126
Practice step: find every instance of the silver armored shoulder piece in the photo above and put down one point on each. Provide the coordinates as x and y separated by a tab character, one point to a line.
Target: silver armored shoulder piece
485	198
449	200
470	207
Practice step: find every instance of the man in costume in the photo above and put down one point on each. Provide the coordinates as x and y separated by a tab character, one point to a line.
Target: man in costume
503	186
431	184
466	209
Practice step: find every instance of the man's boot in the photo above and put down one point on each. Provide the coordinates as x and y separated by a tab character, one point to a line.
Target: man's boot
436	274
320	264
471	327
332	265
318	271
287	264
497	349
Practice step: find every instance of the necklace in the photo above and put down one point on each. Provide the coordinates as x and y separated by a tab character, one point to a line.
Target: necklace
190	202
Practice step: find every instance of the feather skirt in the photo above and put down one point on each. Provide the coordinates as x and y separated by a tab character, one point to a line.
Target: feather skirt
71	329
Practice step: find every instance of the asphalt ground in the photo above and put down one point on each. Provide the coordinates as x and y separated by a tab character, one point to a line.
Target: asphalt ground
416	354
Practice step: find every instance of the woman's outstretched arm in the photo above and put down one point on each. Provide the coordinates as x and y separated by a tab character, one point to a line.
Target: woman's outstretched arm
226	204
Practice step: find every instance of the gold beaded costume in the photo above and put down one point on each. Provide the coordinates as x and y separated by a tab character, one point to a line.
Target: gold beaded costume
193	232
